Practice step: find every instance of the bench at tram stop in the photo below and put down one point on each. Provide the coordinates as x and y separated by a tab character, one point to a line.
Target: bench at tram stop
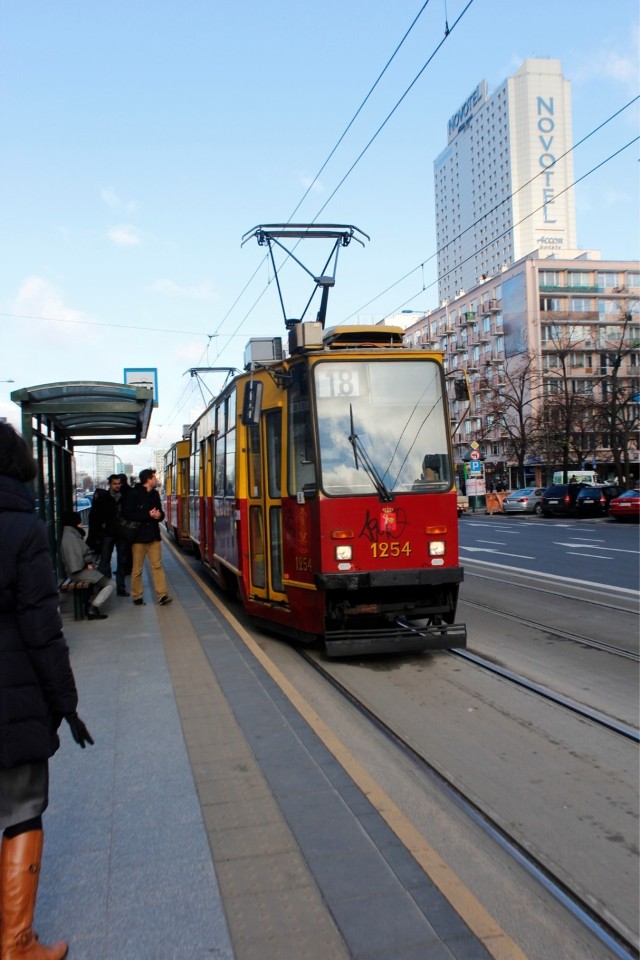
81	591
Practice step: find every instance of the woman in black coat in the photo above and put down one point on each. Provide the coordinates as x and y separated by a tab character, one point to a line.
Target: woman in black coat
37	691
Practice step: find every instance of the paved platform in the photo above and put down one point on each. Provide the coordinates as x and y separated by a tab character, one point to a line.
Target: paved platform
209	820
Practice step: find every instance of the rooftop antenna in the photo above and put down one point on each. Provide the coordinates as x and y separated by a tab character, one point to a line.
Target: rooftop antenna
270	234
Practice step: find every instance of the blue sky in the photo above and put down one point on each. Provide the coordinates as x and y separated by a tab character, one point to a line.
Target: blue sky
141	140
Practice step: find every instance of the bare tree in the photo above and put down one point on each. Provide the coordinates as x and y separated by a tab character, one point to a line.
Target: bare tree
565	421
510	403
617	406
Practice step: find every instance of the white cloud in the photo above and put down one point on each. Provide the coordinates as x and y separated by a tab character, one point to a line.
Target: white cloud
610	63
124	235
307	182
115	202
39	300
198	291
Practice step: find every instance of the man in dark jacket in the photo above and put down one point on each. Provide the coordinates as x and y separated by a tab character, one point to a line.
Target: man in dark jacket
143	506
37	691
105	531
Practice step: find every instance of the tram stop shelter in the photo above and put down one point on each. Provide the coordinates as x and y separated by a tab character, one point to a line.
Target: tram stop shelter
57	417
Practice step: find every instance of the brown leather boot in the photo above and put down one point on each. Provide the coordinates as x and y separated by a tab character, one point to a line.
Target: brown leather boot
19	873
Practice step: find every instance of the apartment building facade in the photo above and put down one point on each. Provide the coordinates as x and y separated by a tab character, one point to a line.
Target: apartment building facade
581	311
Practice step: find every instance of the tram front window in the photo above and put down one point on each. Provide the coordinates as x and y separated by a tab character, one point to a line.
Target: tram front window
393	409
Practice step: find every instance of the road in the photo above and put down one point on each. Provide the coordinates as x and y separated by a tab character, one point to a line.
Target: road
587	551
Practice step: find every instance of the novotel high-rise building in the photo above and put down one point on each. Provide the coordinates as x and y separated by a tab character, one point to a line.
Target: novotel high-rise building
503	183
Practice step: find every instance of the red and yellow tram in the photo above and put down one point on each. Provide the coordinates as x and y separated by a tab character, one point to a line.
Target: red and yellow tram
323	491
176	492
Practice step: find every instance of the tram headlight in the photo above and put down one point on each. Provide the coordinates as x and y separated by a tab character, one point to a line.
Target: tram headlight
436	548
344	551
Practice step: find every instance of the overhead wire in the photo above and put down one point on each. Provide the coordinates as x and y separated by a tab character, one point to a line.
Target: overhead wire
358	111
447	33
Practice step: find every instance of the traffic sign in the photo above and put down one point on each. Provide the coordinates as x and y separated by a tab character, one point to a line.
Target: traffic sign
475	454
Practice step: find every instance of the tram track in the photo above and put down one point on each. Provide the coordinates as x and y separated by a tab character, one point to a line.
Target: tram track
555	592
553	631
559	699
601	927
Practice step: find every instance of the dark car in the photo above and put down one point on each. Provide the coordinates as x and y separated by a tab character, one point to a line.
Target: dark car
594	501
626	506
559	499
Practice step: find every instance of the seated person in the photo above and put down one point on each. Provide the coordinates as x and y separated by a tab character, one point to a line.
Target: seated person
432	471
81	565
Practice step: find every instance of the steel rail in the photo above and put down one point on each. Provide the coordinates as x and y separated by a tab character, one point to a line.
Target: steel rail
630	733
516	581
563	634
582	911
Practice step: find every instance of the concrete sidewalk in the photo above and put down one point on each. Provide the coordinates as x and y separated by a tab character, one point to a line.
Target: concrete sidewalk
127	871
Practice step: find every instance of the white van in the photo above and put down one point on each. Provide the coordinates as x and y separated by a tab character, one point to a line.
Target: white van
580	476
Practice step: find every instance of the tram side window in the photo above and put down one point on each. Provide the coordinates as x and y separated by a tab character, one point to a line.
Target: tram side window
218	482
230	473
274	449
302	466
253	455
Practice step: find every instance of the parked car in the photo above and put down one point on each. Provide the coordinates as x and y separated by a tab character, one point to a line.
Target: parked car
559	499
626	506
594	501
527	500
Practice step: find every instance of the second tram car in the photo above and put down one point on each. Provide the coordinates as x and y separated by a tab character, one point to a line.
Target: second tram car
176	492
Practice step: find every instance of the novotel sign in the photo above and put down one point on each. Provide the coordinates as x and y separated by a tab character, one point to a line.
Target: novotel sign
462	116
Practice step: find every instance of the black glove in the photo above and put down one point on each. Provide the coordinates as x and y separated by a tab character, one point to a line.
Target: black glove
79	731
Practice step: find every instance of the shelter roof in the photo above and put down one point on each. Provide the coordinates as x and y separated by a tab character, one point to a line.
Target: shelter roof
89	411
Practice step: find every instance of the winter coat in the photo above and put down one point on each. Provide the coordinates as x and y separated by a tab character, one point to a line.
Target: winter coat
76	554
137	505
36	683
104	516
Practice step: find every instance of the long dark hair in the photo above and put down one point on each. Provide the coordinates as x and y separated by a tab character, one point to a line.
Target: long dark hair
16	459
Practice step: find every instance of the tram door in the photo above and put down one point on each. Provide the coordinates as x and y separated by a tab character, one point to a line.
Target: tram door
181	496
265	507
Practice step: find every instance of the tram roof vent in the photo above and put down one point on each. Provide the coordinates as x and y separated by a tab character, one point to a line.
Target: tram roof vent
363	336
305	336
262	349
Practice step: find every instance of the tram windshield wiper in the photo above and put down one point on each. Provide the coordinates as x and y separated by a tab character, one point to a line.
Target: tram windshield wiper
367	464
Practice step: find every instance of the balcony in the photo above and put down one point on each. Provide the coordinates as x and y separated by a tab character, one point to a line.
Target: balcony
556	288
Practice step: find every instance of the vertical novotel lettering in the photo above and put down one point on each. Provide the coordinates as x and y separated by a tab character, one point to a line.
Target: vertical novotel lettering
546	126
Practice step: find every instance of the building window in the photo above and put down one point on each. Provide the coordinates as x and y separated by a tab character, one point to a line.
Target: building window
552	304
550	278
607	307
579	305
578	278
606	280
